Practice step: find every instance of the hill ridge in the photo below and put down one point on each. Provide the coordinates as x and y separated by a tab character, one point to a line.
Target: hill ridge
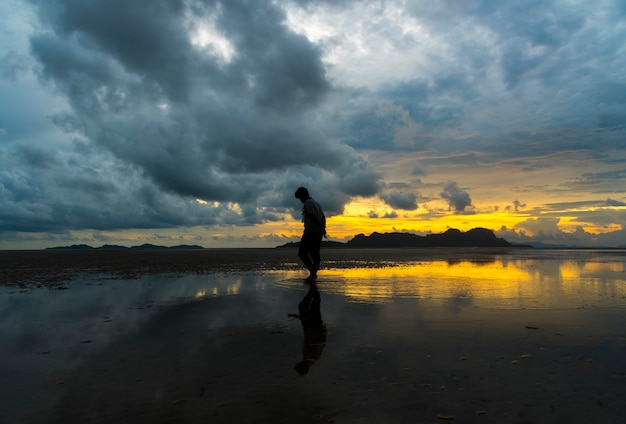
476	237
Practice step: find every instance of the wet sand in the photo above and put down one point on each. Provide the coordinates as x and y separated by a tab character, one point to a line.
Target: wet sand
46	268
220	346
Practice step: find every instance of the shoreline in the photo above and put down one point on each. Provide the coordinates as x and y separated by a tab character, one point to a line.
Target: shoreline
52	268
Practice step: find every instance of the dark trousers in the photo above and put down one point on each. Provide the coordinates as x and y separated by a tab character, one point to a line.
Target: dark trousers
309	251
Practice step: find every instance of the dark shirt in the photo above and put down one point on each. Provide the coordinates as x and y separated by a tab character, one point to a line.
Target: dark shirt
313	217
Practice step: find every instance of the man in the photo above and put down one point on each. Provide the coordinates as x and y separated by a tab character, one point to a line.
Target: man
314	229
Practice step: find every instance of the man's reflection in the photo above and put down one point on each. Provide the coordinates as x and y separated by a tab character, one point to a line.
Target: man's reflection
313	327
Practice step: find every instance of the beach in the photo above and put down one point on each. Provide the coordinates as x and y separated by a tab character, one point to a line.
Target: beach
411	336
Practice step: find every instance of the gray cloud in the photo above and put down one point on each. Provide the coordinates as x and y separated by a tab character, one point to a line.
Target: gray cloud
160	121
517	205
400	200
458	199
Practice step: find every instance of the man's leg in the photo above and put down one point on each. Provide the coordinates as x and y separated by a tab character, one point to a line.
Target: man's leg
316	241
303	252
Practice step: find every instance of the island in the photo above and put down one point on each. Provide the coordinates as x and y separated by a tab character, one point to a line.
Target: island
476	237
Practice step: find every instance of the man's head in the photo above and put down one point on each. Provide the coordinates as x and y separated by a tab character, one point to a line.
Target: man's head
302	193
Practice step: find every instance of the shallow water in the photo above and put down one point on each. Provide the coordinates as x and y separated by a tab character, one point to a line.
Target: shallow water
535	335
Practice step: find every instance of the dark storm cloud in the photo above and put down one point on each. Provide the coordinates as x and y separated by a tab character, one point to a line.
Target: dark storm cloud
285	67
146	39
457	198
161	120
37	158
86	195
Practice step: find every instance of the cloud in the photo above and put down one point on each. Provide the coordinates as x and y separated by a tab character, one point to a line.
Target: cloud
600	181
400	200
387	125
418	170
457	199
517	205
159	119
541	226
546	230
387	215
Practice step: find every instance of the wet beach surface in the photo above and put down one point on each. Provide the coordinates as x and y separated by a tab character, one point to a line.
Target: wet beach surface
53	267
412	336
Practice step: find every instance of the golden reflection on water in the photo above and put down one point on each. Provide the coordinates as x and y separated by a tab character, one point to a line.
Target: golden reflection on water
200	293
230	289
518	283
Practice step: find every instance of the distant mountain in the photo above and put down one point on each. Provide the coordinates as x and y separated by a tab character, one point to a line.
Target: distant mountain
112	247
477	237
72	247
148	246
116	247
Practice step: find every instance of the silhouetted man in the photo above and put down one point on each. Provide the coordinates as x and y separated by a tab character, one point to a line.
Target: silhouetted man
314	229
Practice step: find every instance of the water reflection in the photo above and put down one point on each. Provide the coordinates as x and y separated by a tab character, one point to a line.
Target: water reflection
178	334
313	328
532	279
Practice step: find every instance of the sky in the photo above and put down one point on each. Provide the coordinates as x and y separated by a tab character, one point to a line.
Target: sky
194	121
